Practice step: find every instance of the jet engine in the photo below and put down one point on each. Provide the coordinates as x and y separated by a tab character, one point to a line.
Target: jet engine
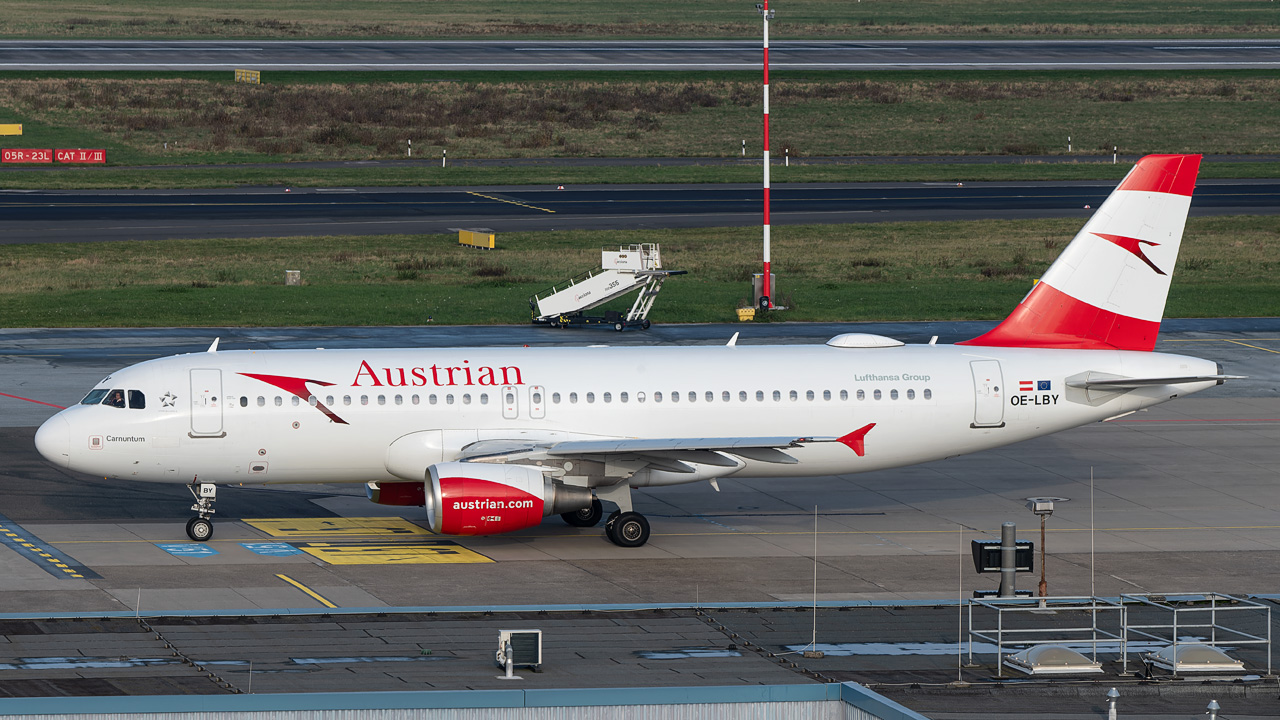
484	499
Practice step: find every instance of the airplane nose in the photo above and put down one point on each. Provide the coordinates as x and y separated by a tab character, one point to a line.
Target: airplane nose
53	440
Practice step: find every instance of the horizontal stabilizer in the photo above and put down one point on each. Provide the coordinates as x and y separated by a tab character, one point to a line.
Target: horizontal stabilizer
1132	383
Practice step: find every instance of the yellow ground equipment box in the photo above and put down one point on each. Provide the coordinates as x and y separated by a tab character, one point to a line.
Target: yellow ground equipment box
476	238
6	129
746	314
249	76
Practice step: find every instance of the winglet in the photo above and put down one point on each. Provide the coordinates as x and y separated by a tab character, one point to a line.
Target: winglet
733	341
857	440
214	346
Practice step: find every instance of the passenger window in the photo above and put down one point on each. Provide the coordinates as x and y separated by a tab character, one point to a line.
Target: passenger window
364	399
591	397
742	396
262	402
657	396
431	399
693	396
794	396
725	396
280	401
573	398
537	398
484	399
137	401
555	398
777	395
448	399
622	397
809	396
826	394
382	399
94	397
759	396
414	400
607	397
844	394
710	396
911	394
639	397
928	394
328	400
466	398
893	394
876	393
675	396
862	395
312	400
244	401
399	399
297	401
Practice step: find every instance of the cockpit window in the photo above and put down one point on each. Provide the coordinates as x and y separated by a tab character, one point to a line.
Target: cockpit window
94	397
115	398
137	400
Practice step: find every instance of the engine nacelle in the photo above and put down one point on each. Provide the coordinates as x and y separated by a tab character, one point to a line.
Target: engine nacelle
396	493
485	498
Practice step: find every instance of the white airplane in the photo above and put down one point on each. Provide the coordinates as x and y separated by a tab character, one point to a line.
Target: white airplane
492	440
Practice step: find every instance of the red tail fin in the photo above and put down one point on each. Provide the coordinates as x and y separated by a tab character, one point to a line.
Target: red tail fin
1108	288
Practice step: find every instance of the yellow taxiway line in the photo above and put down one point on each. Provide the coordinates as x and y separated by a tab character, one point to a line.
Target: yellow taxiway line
314	595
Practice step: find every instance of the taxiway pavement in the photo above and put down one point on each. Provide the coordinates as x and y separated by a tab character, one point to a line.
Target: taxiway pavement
670	55
94	216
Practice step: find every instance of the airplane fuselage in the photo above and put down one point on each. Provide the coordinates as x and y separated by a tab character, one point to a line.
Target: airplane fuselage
331	416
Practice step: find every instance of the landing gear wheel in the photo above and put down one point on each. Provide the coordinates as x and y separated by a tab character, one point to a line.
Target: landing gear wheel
586	517
618	326
628	529
644	325
199	529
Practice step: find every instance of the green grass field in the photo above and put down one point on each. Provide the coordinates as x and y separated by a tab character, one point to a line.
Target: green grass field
898	271
661	18
189	120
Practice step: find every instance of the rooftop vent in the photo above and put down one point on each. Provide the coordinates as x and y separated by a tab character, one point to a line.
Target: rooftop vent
1052	660
1193	657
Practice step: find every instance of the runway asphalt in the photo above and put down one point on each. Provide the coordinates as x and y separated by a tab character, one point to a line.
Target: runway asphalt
92	216
679	55
1185	498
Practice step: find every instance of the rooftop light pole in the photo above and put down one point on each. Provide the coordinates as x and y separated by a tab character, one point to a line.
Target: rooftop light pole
765	301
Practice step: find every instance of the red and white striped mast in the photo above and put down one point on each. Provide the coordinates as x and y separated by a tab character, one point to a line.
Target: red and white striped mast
766	300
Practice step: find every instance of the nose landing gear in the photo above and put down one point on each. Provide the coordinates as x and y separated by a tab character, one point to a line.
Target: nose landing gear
200	527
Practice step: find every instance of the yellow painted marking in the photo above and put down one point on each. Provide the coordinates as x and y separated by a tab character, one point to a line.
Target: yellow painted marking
315	595
423	552
336	527
1255	347
512	202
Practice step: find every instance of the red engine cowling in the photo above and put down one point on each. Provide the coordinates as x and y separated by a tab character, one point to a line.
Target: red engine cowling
396	493
485	499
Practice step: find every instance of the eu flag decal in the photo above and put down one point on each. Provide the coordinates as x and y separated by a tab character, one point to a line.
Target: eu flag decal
1043	385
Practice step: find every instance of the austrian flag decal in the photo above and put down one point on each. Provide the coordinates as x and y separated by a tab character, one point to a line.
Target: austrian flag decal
1035	385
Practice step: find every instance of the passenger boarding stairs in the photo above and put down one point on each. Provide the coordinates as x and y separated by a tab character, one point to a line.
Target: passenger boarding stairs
623	270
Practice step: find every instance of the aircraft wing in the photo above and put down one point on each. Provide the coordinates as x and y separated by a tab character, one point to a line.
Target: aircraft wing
666	453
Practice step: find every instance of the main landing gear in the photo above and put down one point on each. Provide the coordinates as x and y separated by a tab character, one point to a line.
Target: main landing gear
200	527
627	529
624	528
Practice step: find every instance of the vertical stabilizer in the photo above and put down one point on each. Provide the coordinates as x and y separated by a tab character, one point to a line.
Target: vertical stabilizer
1108	288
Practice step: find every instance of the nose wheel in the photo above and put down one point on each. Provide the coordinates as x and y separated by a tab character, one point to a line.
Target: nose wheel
200	527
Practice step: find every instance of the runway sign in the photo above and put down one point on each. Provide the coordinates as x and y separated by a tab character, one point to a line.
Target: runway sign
337	527
80	155
22	155
409	552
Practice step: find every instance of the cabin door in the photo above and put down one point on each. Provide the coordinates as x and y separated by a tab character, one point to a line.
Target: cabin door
206	403
988	395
